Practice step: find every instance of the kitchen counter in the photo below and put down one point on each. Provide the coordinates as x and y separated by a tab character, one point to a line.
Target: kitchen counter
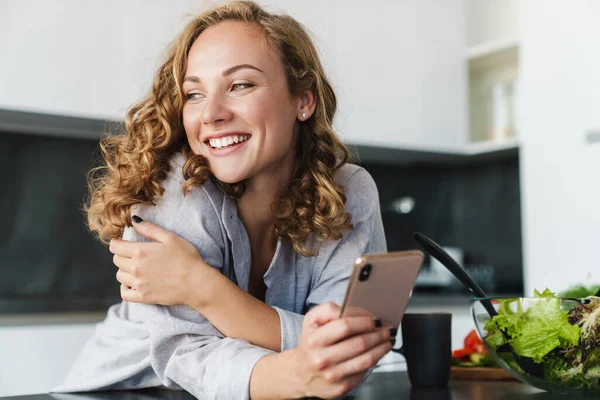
384	385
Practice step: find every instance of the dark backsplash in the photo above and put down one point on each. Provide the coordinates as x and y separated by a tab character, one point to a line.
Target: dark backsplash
51	263
474	206
48	259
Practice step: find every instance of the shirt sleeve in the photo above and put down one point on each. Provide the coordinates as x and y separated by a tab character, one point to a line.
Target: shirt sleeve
140	345
187	351
115	357
334	266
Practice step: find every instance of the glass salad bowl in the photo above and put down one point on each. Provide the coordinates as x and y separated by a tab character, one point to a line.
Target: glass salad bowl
549	342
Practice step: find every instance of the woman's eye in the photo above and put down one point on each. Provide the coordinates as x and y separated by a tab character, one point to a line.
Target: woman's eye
241	86
193	96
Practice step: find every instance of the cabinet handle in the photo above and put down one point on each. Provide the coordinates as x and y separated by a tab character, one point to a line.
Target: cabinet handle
593	136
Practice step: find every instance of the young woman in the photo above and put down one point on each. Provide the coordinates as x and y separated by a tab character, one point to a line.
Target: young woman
246	222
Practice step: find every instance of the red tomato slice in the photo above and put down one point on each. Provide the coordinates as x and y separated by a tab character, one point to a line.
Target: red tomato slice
471	340
462	353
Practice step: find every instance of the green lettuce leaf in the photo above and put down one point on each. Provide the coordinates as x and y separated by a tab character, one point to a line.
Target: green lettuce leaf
545	293
536	332
510	324
536	341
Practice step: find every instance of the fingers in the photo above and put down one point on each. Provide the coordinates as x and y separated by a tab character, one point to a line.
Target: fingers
131	295
126	278
323	313
341	387
340	329
354	347
125	263
125	248
358	364
125	273
150	230
348	383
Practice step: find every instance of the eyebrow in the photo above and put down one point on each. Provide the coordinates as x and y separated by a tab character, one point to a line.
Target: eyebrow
227	72
233	69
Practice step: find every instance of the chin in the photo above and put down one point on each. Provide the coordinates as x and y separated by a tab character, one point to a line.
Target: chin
228	176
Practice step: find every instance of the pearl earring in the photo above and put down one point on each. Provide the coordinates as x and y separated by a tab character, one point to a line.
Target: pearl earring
303	115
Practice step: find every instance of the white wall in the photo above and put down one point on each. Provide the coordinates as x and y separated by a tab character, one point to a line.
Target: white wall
559	102
34	359
397	66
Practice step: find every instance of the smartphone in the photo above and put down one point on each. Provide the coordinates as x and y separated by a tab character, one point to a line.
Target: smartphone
381	285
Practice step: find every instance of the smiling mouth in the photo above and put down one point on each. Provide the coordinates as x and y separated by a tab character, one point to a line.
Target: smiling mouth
225	142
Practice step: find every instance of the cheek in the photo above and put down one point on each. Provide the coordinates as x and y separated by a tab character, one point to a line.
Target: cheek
191	124
274	111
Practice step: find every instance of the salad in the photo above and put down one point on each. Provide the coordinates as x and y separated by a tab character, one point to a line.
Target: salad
562	335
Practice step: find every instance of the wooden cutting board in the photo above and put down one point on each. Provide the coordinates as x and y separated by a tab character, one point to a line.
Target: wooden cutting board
480	374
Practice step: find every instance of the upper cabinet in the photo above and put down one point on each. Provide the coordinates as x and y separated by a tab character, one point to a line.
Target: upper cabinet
430	76
492	56
399	71
87	59
397	66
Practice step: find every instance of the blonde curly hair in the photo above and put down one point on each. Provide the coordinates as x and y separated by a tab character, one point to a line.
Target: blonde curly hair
135	162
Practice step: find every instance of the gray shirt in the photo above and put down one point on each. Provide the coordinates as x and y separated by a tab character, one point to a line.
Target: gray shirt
140	345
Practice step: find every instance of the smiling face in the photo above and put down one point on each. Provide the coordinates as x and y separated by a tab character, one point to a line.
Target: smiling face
238	110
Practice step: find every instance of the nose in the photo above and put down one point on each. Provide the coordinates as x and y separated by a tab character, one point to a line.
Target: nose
216	111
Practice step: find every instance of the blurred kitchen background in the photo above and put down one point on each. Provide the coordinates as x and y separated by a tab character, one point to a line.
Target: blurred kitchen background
478	119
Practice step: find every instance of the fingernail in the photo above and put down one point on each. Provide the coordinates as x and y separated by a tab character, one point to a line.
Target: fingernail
378	323
136	219
393	332
393	341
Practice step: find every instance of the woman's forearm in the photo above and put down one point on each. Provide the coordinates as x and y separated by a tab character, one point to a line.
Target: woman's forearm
273	378
236	313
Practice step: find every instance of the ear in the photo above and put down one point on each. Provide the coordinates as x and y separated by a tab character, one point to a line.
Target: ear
306	105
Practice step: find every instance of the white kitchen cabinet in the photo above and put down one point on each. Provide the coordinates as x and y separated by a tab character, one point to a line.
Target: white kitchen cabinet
493	63
491	21
398	67
82	58
399	72
559	105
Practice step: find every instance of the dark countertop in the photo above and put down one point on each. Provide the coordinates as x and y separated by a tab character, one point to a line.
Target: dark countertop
441	300
430	302
449	299
382	385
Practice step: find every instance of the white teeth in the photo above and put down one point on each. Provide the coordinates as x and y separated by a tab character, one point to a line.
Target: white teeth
227	141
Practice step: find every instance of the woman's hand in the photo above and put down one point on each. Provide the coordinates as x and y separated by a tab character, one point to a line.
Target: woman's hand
161	272
335	353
